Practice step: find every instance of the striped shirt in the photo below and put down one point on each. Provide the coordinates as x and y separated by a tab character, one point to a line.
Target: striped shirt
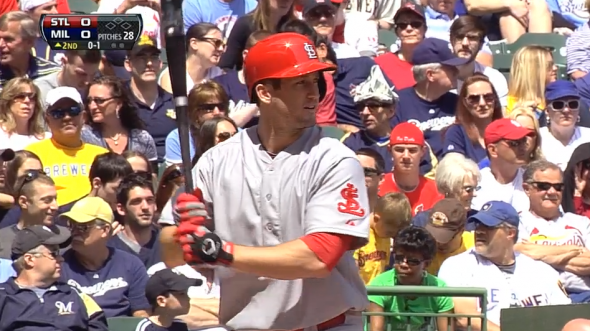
37	67
147	325
578	50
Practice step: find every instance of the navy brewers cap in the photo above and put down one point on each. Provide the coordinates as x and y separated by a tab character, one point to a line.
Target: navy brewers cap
167	280
434	50
495	213
116	58
561	89
37	235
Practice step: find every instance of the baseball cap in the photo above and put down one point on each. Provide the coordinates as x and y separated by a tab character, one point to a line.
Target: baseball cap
406	133
504	128
116	58
37	235
408	6
446	218
310	5
7	155
143	45
495	213
89	209
434	50
561	89
63	92
166	280
26	5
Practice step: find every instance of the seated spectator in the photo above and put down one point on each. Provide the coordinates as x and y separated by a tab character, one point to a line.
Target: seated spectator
492	264
78	68
376	103
407	148
467	39
114	278
205	45
576	192
224	14
21	115
139	163
65	157
563	134
531	71
429	104
17	61
212	132
36	8
413	248
546	234
507	147
106	173
446	224
478	106
35	253
410	28
458	178
36	196
205	101
136	204
113	122
577	52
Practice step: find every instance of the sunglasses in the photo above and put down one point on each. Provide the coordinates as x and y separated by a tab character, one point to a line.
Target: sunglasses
28	177
97	100
546	186
223	136
470	188
475	99
373	106
217	43
404	25
60	113
559	105
515	143
210	107
370	171
408	260
24	95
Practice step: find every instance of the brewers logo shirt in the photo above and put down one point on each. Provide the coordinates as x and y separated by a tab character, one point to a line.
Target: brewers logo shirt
567	229
373	257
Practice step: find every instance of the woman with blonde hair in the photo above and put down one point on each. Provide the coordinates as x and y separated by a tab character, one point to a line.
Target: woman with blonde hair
525	117
21	115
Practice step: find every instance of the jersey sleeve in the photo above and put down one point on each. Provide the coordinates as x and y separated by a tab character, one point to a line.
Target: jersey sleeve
339	203
454	140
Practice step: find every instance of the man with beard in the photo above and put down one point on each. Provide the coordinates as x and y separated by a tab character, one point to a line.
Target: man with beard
407	146
548	235
506	145
511	279
467	38
136	204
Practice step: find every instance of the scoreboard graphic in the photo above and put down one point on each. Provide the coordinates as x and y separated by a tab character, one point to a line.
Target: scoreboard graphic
85	32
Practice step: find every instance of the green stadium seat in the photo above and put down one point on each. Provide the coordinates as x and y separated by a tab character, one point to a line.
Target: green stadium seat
498	47
83	6
502	63
123	323
551	40
387	38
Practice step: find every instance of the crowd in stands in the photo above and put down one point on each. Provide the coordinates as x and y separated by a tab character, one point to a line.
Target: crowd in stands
468	170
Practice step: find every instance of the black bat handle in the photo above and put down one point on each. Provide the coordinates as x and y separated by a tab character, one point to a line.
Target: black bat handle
176	53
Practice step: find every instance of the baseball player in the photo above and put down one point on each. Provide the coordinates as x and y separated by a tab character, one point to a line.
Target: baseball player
287	205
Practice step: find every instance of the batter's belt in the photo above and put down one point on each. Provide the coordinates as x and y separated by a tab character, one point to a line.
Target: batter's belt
334	322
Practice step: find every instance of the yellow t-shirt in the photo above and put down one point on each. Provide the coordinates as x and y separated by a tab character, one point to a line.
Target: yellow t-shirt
439	258
512	101
68	167
373	257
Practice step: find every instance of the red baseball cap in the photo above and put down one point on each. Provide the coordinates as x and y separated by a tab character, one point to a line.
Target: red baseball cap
406	133
504	128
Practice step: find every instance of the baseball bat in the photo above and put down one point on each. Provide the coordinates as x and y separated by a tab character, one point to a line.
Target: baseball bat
176	53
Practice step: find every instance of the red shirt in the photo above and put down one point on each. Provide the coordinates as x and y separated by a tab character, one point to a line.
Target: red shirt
398	71
8	5
581	207
326	113
338	36
63	7
422	198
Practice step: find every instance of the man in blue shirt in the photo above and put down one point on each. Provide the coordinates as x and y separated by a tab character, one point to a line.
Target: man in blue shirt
36	8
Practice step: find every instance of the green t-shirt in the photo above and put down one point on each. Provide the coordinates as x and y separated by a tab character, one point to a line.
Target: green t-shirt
392	304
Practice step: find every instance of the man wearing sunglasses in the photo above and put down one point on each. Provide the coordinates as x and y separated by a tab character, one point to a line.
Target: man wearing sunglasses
506	146
37	262
511	279
549	235
66	158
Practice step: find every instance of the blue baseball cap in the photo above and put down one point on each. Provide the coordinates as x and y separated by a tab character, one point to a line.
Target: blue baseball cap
434	50
561	89
495	213
116	58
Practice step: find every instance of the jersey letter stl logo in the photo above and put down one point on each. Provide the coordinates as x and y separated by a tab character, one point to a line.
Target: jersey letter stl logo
310	51
350	205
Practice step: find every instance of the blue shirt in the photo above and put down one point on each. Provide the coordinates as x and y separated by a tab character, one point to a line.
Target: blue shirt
362	139
118	287
457	141
42	50
430	116
221	13
237	93
37	67
573	11
173	154
6	270
149	254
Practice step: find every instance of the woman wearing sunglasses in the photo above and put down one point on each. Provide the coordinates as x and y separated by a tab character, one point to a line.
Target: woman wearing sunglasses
213	132
562	134
21	115
113	122
478	106
576	193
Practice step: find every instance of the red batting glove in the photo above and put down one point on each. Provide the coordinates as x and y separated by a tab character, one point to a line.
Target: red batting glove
190	210
203	246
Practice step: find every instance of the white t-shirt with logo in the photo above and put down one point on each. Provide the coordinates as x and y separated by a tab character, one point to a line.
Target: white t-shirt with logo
150	17
555	152
511	193
568	229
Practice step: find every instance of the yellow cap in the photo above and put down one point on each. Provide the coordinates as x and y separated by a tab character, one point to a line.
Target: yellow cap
89	209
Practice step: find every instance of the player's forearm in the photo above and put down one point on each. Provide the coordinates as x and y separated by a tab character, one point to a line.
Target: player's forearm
556	256
290	260
481	7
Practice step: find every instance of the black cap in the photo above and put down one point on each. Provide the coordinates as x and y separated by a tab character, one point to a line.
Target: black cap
165	281
409	6
37	235
145	44
309	5
7	155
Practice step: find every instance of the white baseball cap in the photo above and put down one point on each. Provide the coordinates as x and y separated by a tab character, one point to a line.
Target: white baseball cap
63	92
26	5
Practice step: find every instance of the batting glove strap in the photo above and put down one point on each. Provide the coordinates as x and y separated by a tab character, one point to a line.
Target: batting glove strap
209	248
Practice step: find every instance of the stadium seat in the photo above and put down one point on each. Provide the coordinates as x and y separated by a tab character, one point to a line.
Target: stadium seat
123	323
502	63
387	38
498	47
82	6
551	40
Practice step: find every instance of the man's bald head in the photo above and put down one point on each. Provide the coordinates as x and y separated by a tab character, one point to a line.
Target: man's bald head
579	324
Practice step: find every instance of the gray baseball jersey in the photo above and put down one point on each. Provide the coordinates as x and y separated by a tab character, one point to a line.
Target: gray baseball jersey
315	185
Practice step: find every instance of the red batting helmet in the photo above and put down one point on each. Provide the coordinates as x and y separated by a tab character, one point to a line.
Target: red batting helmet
283	55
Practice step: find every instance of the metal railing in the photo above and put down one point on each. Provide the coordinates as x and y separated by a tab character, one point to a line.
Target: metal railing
392	319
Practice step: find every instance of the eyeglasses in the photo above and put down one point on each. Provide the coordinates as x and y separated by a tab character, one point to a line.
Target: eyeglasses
217	43
471	188
475	99
546	186
369	172
81	228
408	260
210	107
60	113
559	105
404	25
515	143
54	254
97	100
373	106
223	136
29	176
24	95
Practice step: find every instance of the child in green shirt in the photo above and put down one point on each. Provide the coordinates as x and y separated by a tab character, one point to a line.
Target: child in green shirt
413	249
